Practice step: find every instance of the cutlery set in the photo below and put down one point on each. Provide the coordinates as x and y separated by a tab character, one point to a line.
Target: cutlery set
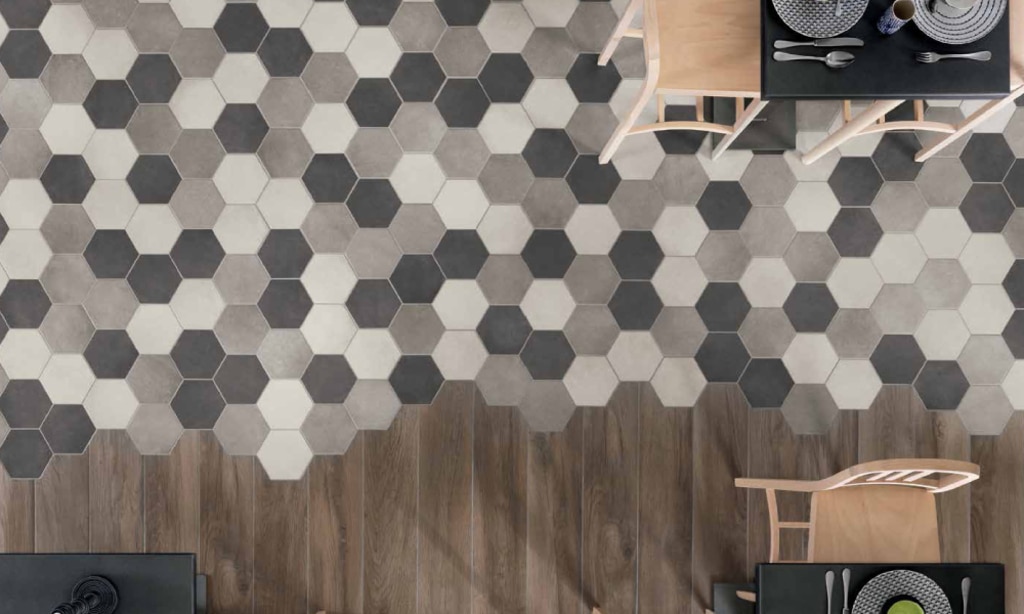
841	59
830	576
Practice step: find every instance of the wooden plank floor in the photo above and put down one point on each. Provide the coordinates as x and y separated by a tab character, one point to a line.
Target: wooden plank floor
459	509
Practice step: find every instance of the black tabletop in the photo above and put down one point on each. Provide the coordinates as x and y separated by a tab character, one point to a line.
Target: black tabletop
885	66
792	588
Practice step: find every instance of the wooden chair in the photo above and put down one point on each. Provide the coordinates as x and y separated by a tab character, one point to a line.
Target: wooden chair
878	512
695	48
623	29
872	119
1016	8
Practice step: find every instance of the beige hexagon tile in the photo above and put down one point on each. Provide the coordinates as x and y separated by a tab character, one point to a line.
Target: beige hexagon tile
854	384
942	335
155	429
241	430
591	381
372	404
285	455
459	355
810	358
678	382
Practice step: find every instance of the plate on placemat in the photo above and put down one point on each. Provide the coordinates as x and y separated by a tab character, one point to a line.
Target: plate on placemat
959	27
883	588
817	18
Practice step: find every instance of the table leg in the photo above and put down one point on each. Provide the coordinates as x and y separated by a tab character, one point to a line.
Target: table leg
851	129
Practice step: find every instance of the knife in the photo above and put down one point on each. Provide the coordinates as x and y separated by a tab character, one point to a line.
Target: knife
846	591
821	42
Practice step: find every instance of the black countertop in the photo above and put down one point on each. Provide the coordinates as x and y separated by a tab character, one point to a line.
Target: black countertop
784	588
885	67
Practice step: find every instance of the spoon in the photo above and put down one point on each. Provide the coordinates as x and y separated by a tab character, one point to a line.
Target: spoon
835	59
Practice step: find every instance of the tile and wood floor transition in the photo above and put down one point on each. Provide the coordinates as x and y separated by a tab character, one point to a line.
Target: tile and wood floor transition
459	508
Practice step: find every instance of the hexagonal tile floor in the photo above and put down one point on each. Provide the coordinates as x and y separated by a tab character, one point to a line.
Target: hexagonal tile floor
283	219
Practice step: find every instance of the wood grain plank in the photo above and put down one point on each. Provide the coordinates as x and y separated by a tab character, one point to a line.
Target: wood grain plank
281	554
774	451
499	509
899	426
115	493
226	538
555	523
336	532
666	505
719	508
445	501
17	500
611	501
997	516
172	497
62	505
389	525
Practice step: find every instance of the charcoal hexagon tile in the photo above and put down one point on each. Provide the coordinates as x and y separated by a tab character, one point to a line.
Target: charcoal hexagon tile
592	182
285	303
67	179
24	304
285	253
25	454
154	279
460	254
329	178
284	52
241	27
373	303
855	232
810	307
416	379
24	404
373	102
723	307
198	404
986	207
1014	183
241	128
197	254
68	429
416	279
724	205
722	357
766	383
941	384
987	157
547	355
635	305
678	382
328	379
24	54
894	156
110	104
153	179
153	78
855	181
636	255
111	353
897	359
373	203
548	254
197	354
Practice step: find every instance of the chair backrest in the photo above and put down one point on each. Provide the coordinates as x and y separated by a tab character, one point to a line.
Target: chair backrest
933	474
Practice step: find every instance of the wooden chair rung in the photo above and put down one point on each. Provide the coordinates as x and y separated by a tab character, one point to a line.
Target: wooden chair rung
794	524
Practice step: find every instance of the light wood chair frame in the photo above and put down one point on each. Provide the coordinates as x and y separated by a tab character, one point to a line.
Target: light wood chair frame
745	114
933	475
623	29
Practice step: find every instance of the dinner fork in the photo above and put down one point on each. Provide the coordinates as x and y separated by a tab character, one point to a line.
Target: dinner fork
930	57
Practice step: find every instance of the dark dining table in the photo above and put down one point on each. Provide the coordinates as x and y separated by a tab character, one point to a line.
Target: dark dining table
792	588
884	67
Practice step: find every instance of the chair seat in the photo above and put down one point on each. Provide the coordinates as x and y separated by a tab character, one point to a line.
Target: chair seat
710	46
874	524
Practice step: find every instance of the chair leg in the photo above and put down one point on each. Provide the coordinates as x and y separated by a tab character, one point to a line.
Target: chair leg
619	32
851	129
627	122
742	121
988	110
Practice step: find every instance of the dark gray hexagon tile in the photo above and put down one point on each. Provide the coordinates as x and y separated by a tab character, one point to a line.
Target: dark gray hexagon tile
25	454
198	404
24	404
766	383
68	429
941	384
855	181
